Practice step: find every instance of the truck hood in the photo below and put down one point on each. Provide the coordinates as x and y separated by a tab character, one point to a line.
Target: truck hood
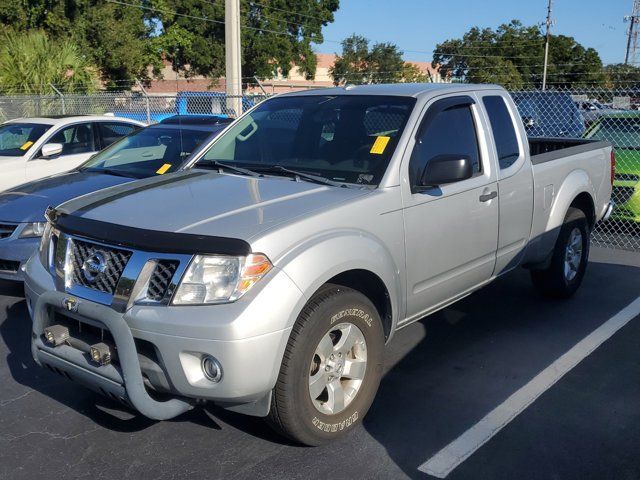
28	202
206	203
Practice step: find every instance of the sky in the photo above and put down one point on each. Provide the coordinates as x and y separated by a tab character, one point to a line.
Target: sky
418	25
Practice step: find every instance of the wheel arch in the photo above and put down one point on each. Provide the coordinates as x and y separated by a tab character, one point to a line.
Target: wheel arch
352	259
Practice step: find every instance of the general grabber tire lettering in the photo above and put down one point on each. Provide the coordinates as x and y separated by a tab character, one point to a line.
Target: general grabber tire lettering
324	389
569	259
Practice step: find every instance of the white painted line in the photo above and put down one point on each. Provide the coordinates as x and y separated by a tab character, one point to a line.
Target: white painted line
447	459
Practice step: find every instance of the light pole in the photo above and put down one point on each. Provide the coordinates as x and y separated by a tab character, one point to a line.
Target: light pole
233	56
546	46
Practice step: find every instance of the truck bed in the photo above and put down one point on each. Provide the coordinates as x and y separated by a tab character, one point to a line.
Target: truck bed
547	149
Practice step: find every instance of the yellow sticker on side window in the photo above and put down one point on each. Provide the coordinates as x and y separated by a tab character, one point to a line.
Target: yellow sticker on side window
379	145
164	169
26	145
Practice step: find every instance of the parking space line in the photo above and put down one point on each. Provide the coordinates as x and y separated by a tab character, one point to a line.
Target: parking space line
447	459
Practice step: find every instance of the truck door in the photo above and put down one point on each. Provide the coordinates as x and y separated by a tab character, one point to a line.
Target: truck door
515	180
451	230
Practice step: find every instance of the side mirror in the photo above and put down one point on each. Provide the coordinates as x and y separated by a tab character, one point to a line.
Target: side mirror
528	122
51	150
443	169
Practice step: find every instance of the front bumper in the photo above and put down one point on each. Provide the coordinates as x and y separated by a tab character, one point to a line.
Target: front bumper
14	252
627	197
248	338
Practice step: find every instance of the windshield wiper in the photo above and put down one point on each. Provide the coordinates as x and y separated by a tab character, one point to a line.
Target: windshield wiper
271	169
225	166
113	171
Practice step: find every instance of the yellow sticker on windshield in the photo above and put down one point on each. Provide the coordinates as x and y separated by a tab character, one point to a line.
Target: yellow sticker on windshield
164	169
26	145
379	145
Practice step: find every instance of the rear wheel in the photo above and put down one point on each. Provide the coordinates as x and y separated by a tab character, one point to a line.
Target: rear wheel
569	259
331	368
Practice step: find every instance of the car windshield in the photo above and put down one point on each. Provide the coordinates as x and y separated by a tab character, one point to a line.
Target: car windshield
622	132
150	151
17	138
341	138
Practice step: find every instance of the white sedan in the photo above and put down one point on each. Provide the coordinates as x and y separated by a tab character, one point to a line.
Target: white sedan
34	148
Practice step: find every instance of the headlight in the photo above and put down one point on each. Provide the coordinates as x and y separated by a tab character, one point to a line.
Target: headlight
43	249
219	279
33	230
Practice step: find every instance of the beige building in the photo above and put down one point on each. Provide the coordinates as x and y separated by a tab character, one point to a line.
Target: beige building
295	80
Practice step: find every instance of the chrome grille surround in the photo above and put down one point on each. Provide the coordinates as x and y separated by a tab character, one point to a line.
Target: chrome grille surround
114	261
130	276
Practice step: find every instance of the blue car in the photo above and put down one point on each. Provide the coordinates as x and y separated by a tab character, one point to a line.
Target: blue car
155	150
549	114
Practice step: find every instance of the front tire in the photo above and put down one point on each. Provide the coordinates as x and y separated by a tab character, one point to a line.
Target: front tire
331	368
569	259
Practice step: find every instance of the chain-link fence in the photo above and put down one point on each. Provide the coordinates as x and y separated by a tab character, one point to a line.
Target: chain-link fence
598	114
612	115
136	105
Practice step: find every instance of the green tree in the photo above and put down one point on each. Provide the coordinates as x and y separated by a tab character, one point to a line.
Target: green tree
412	74
621	76
118	39
30	62
513	55
276	34
360	64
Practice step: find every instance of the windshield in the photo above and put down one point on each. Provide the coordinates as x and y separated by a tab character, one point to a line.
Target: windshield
150	151
343	138
17	138
621	132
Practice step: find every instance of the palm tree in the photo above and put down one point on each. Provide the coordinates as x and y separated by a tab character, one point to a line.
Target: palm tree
30	62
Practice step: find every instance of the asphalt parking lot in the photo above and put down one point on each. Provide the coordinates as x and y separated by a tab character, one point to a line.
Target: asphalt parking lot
438	385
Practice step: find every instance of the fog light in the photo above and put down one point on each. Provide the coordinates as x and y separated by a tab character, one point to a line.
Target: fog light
211	368
56	334
101	353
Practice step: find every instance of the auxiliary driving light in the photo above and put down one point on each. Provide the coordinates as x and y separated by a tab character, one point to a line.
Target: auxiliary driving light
211	368
101	353
56	334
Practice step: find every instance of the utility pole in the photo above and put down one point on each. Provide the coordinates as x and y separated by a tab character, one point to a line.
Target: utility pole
233	56
632	34
546	46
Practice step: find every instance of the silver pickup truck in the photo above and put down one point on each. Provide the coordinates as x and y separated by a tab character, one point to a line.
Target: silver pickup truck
269	278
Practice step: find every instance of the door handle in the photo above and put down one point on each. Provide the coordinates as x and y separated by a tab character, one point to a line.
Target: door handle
488	196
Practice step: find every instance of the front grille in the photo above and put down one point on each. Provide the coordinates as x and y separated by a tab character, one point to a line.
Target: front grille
9	266
621	195
627	177
110	262
6	230
161	279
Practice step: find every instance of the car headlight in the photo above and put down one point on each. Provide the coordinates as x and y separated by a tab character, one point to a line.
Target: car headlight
219	279
45	241
33	230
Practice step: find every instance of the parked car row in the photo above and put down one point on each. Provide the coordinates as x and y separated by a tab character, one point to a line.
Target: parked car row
266	269
142	152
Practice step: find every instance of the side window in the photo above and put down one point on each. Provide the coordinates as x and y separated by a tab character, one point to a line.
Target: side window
112	131
504	133
452	131
75	139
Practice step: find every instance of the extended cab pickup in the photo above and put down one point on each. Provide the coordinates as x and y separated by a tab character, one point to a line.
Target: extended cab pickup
269	278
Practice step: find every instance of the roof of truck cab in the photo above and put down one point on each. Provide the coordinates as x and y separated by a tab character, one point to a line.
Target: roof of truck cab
397	89
64	119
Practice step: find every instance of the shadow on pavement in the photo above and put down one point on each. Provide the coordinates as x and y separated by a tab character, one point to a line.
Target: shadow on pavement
478	352
16	333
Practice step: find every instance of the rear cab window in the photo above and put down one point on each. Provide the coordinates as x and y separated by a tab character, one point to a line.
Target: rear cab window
504	133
